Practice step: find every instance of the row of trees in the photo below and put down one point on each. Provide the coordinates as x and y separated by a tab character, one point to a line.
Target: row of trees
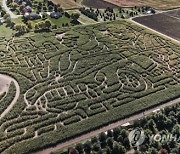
111	14
43	25
90	13
116	141
24	28
48	6
113	142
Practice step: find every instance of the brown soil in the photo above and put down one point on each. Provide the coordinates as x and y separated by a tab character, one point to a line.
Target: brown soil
98	4
174	13
162	23
67	4
159	4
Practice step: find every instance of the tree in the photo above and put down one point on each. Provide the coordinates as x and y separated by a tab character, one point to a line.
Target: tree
175	150
47	24
122	150
102	137
116	133
151	125
126	143
72	151
79	148
14	5
36	26
176	130
67	14
110	142
94	140
3	12
8	21
152	151
87	147
59	9
21	28
17	27
29	24
6	16
108	150
50	8
115	149
41	25
96	147
75	16
124	133
109	133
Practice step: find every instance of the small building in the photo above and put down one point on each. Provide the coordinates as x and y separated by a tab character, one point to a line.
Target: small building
56	15
32	16
27	9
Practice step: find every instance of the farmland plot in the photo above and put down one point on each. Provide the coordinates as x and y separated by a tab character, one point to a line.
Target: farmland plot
159	4
167	23
67	4
102	4
174	13
77	79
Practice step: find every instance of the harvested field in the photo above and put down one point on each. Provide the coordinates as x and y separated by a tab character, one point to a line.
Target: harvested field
67	4
98	4
162	23
159	4
173	13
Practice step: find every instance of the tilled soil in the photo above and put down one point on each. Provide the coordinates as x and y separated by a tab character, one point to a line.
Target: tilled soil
162	23
98	4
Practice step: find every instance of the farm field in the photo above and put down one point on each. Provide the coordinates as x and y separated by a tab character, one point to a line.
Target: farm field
166	23
98	4
174	13
159	4
67	4
78	79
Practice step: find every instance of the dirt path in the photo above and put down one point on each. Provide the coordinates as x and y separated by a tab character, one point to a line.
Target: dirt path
111	126
5	82
13	16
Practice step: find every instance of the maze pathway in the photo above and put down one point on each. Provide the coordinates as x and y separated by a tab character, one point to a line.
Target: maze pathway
77	79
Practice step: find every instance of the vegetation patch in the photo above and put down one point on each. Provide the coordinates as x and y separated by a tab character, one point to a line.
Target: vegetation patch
77	79
163	124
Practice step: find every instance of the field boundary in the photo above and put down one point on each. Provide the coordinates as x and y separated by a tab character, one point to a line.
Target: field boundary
155	31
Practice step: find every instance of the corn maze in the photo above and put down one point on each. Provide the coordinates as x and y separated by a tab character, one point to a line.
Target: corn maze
78	79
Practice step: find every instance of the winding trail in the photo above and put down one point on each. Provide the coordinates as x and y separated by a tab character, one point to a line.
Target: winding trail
108	127
10	79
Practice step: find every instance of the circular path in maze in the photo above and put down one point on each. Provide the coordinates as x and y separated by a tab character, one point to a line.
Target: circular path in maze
5	85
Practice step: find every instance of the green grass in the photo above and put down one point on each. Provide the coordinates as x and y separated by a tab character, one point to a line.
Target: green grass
6	31
83	19
60	21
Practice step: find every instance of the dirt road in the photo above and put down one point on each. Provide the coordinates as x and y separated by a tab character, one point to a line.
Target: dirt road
12	15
